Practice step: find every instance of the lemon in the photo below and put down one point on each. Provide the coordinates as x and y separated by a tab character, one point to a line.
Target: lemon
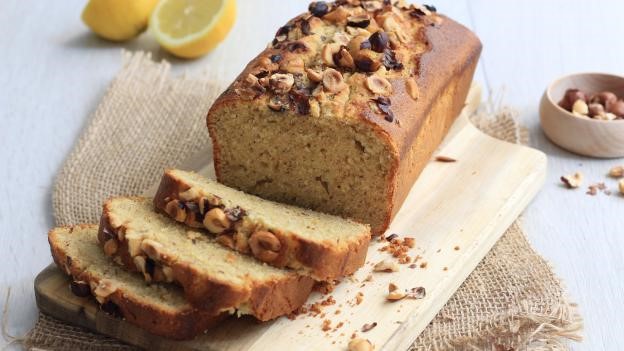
118	20
191	28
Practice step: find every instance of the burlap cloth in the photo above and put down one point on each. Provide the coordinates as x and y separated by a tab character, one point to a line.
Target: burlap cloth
149	120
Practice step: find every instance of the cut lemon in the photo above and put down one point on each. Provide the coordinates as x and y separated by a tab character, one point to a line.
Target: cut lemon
118	20
191	28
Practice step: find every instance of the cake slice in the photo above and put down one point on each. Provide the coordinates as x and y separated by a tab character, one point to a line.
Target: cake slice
158	308
323	246
214	278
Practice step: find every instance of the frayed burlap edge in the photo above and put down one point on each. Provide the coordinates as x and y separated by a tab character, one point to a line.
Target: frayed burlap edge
144	85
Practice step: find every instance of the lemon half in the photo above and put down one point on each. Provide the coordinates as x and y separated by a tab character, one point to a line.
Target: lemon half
118	20
191	28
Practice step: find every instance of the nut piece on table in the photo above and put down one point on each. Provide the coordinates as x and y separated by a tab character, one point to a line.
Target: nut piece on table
616	172
386	266
573	180
395	296
359	344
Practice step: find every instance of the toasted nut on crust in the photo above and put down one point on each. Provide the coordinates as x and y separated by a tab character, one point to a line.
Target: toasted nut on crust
327	54
264	245
379	85
573	180
412	88
386	266
281	83
174	210
110	247
216	221
152	249
103	289
345	60
333	81
359	344
314	76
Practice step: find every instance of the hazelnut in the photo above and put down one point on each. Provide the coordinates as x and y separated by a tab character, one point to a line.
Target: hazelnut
344	59
617	108
395	295
134	245
390	24
333	81
340	38
617	172
216	221
621	186
573	180
225	240
339	15
358	43
570	97
139	263
359	344
327	54
281	83
104	289
110	247
367	61
152	249
314	76
359	21
379	85
386	266
605	98
293	65
372	6
264	245
596	109
392	287
580	108
412	88
278	103
175	209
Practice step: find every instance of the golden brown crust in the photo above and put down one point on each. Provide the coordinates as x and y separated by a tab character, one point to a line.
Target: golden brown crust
211	294
322	261
446	62
179	325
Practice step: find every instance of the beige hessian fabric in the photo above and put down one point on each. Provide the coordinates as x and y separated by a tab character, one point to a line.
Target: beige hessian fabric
148	121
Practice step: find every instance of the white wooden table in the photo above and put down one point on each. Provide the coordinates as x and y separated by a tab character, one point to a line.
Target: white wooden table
53	73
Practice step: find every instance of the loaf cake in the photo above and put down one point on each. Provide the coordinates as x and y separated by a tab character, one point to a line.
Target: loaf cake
214	278
160	309
344	108
323	246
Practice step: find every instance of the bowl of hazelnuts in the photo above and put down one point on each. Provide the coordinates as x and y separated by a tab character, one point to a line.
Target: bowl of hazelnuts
584	113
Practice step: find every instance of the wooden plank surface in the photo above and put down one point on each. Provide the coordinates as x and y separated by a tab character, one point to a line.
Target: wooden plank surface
455	212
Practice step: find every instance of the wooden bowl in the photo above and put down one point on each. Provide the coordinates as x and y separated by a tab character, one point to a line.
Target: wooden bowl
584	136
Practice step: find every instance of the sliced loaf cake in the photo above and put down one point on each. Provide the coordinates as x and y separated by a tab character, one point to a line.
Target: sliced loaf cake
213	277
323	246
160	309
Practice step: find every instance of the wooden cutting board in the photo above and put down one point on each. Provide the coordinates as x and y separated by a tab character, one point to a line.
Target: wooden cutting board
455	211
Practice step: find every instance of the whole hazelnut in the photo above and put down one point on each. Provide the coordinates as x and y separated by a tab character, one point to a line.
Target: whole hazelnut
617	108
596	109
604	98
570	97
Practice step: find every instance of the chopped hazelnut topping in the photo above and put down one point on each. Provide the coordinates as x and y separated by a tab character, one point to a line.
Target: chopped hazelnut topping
573	180
344	59
359	21
333	81
281	83
314	76
339	15
341	38
379	85
328	52
293	65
